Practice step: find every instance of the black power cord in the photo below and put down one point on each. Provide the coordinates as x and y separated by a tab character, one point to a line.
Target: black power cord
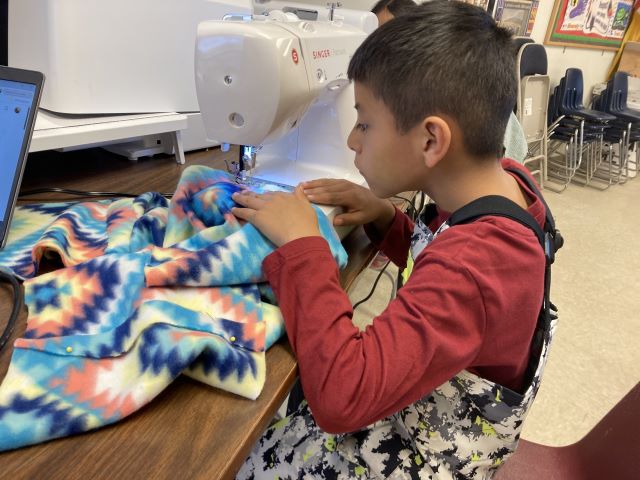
415	213
82	193
373	288
9	277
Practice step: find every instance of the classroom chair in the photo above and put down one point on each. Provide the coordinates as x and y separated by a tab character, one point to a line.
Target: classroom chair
611	450
625	131
580	132
594	171
532	104
519	42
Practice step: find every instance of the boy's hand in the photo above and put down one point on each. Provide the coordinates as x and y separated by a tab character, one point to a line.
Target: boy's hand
281	217
360	204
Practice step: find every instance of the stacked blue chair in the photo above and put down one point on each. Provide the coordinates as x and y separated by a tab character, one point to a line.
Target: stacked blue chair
581	132
625	129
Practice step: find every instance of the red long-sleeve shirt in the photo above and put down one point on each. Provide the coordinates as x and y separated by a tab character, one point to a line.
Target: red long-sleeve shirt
471	302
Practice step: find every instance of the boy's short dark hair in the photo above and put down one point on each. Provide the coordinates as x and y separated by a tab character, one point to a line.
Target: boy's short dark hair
447	58
396	7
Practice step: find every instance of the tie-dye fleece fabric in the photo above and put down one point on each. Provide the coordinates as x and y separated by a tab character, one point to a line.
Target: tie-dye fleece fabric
150	289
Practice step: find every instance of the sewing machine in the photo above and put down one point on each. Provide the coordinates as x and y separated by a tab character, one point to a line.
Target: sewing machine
277	86
122	58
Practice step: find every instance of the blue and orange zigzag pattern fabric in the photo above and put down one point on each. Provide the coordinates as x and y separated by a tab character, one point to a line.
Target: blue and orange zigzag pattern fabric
150	289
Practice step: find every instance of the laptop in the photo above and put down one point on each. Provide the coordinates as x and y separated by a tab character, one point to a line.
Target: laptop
19	99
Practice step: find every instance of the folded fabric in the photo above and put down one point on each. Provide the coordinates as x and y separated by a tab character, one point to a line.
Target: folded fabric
151	289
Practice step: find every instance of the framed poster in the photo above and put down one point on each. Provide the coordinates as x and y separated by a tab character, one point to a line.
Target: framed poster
517	15
589	23
532	17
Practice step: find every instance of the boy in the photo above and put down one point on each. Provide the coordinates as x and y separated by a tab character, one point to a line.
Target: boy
437	386
515	142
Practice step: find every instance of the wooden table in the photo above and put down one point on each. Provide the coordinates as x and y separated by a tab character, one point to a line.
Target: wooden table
190	430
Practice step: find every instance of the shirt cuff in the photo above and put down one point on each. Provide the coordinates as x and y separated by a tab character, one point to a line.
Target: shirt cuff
299	248
381	242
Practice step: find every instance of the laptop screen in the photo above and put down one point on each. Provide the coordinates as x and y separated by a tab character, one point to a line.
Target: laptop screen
18	106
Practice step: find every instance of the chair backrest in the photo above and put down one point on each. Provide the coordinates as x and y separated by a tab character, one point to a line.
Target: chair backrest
533	105
554	104
551	110
564	97
575	86
518	42
620	85
614	98
532	60
606	101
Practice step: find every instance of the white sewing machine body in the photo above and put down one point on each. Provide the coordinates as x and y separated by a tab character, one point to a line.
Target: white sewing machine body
113	57
116	57
280	84
123	57
360	19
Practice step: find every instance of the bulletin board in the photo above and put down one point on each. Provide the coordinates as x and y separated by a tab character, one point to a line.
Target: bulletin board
589	23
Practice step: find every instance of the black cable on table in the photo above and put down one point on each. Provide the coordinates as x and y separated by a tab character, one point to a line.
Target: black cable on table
82	193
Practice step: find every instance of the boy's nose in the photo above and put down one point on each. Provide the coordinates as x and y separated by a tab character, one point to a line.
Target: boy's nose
351	141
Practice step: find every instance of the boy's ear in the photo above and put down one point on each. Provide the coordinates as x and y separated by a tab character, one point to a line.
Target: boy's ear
436	135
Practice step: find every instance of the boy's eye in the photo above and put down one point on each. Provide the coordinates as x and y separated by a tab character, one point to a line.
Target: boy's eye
362	126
